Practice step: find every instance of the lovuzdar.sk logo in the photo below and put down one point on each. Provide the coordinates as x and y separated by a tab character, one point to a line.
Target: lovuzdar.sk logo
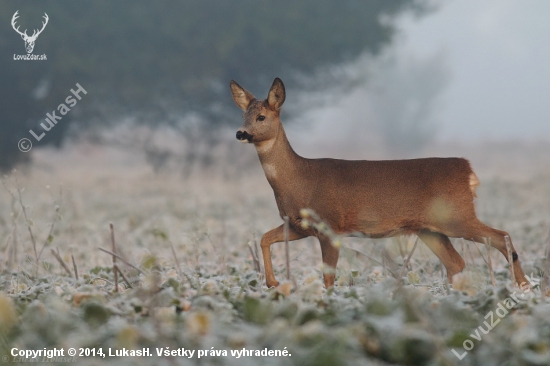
29	40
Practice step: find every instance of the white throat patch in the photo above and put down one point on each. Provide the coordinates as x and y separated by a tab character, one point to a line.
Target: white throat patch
270	171
265	146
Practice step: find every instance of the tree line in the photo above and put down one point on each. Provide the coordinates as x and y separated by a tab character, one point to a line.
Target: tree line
157	60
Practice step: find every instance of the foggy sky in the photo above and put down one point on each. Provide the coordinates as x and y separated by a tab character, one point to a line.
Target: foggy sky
498	53
493	58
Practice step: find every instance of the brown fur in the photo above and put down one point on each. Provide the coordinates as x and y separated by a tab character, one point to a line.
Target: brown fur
431	197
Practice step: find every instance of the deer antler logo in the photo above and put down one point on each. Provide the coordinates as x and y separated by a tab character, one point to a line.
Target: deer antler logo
29	40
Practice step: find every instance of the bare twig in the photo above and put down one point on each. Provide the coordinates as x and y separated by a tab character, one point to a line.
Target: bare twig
490	261
113	246
471	255
544	280
122	259
74	266
12	255
19	199
49	238
62	262
8	254
178	267
28	221
480	253
463	251
256	251
510	259
400	278
389	262
287	251
123	276
401	250
219	251
365	255
254	258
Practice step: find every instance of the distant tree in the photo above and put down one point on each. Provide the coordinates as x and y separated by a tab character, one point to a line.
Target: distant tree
157	60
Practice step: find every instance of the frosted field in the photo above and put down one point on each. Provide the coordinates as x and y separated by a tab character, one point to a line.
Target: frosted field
216	301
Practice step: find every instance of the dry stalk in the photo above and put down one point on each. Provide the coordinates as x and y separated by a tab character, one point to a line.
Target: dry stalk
390	263
254	258
257	256
401	250
510	260
49	238
358	252
62	262
74	266
12	255
469	248
544	280
12	252
400	278
177	263
28	221
287	251
489	261
178	267
122	259
7	254
123	276
113	246
463	251
19	199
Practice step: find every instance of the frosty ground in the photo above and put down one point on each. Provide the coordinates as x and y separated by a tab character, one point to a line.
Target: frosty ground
210	298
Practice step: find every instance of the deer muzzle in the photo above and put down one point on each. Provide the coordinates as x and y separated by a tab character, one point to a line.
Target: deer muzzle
244	136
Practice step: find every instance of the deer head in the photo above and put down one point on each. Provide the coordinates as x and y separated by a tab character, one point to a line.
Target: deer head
29	40
261	117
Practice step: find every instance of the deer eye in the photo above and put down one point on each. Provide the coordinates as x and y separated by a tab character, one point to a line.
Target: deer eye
260	118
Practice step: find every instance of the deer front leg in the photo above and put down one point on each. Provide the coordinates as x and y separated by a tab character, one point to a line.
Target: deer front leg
274	236
330	258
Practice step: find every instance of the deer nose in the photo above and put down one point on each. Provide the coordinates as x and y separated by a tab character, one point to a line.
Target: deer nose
243	136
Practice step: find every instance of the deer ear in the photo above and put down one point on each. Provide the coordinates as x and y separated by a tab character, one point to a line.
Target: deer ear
276	96
241	96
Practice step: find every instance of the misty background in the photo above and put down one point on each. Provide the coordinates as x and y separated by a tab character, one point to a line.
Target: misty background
364	79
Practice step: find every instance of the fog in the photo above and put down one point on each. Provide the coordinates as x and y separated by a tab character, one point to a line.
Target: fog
466	79
469	72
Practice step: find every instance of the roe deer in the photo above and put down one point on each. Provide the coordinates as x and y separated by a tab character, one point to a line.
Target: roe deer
430	197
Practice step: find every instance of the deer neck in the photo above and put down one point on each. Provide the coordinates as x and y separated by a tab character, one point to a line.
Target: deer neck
277	157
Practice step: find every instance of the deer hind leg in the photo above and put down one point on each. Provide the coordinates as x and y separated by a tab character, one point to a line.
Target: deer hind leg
330	255
441	246
271	237
479	232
